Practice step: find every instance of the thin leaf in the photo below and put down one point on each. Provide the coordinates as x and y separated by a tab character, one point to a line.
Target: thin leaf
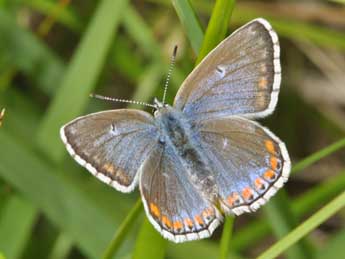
123	230
226	237
16	223
62	247
150	243
189	22
303	229
318	155
217	26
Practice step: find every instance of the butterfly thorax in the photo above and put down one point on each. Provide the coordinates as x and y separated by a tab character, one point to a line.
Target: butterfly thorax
179	134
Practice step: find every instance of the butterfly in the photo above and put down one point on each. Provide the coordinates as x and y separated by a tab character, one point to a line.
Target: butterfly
203	157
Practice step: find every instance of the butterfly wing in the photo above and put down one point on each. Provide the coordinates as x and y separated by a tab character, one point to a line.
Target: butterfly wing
241	76
112	145
172	203
251	163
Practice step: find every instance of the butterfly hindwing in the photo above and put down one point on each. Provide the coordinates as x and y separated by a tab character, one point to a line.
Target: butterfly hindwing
172	204
250	162
241	76
112	145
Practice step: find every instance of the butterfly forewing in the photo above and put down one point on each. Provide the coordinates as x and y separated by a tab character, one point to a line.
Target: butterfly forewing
241	76
112	145
250	162
173	205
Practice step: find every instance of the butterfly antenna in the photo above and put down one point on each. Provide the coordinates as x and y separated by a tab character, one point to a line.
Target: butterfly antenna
172	63
106	98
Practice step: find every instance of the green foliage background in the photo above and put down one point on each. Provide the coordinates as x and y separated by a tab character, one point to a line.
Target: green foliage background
54	53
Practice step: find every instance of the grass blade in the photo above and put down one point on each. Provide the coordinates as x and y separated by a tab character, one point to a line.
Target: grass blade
16	223
226	237
318	155
123	230
189	22
303	229
217	26
150	243
62	247
81	76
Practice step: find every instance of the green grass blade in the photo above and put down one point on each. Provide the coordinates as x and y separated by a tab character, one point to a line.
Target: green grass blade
190	23
62	247
217	26
81	76
123	230
318	155
281	219
16	223
150	243
303	229
226	237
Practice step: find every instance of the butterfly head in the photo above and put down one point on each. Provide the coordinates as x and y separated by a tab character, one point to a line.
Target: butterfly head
160	107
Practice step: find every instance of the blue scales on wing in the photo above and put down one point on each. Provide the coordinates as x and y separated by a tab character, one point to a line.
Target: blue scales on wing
241	76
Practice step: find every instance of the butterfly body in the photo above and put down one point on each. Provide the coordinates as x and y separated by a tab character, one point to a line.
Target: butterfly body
177	132
203	157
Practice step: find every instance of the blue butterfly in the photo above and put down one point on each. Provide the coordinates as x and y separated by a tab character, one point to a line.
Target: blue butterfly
203	157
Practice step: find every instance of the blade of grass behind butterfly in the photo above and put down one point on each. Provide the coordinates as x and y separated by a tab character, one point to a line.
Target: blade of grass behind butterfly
16	223
81	76
190	23
305	228
217	26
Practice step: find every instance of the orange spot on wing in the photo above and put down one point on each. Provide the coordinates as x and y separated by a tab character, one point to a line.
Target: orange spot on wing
270	146
269	175
207	213
259	184
199	220
232	198
247	193
154	209
262	83
109	168
274	162
166	222
188	222
177	225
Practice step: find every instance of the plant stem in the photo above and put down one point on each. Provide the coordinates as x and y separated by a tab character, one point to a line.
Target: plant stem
122	231
318	155
226	237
